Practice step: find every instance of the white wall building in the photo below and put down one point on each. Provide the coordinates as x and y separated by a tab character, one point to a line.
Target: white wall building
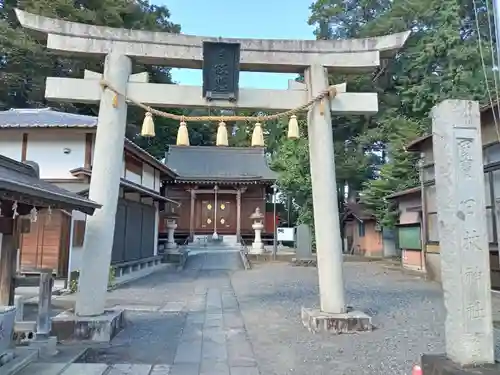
62	144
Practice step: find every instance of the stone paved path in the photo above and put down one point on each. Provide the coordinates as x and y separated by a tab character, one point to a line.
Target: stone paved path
205	320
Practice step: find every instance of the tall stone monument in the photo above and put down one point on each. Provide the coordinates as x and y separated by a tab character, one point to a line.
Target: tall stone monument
463	238
314	58
304	242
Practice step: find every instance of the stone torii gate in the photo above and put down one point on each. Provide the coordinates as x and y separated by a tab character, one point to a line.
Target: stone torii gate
313	58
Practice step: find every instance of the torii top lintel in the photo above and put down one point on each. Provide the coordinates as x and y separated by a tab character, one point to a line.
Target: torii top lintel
185	51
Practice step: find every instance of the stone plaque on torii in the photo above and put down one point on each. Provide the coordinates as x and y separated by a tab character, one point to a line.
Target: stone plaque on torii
221	71
312	58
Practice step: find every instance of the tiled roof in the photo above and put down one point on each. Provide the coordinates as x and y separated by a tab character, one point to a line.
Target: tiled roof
404	193
44	118
194	163
21	179
359	211
48	118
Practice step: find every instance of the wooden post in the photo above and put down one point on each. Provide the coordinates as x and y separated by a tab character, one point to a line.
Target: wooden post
7	269
238	215
191	215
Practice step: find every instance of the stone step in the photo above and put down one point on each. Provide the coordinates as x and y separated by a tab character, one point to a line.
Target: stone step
41	368
212	248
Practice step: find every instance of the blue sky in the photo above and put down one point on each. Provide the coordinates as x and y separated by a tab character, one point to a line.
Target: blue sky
271	19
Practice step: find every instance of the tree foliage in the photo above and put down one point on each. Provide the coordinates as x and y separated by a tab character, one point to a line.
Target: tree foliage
440	60
26	62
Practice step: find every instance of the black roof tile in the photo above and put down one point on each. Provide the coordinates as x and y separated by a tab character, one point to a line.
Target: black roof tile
18	178
193	163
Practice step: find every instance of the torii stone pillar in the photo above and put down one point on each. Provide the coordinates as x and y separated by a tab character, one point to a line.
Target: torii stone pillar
104	189
325	203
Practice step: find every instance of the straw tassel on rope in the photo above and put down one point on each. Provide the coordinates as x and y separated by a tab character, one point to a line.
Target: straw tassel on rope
222	136
222	139
293	128
257	136
182	135
148	126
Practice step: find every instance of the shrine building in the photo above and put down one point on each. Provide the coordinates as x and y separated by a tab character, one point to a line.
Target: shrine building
218	189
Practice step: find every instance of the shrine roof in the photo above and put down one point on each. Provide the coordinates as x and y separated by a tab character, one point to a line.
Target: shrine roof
212	163
20	182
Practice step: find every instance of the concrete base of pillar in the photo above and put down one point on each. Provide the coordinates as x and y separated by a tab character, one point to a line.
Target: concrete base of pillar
316	320
440	364
102	328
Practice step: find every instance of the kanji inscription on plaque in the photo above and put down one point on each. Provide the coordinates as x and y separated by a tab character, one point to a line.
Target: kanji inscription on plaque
221	70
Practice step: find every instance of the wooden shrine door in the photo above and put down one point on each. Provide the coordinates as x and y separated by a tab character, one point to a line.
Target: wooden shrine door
207	214
225	219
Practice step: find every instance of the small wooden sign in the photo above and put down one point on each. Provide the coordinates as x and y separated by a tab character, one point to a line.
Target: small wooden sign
221	71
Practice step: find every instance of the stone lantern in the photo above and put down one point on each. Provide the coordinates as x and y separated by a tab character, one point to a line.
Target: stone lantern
171	225
257	245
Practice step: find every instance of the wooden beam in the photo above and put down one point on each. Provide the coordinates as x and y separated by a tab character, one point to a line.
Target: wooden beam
24	147
191	214
238	215
175	96
88	150
211	191
8	259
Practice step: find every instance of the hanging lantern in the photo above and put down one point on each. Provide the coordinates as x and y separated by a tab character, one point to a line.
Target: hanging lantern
257	136
182	135
148	126
222	139
293	128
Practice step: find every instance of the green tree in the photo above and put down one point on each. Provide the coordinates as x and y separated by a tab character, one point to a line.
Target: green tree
26	62
441	60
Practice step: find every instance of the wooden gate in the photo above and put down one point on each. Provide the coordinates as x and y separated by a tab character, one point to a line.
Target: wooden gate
134	232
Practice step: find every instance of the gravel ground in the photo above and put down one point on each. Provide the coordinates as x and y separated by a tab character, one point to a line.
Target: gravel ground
407	312
208	321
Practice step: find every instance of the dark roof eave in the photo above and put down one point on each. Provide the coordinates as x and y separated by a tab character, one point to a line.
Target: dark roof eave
123	182
147	157
403	193
417	143
223	179
50	198
361	219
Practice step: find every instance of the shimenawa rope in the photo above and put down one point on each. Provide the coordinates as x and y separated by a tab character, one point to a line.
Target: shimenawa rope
330	92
